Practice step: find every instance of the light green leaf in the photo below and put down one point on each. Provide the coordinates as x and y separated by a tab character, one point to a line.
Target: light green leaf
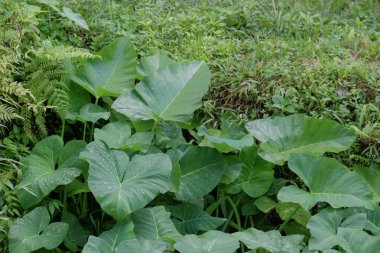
111	240
92	113
323	228
256	176
122	186
372	177
115	134
324	225
113	73
40	175
201	169
172	93
233	169
139	141
210	242
142	246
33	232
358	241
77	18
265	204
151	64
293	211
225	142
76	236
329	181
298	133
189	219
272	241
154	224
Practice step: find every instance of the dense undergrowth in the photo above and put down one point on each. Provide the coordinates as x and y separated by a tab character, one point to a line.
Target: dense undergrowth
267	58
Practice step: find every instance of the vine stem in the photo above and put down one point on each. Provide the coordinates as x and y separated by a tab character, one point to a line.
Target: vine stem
288	219
93	123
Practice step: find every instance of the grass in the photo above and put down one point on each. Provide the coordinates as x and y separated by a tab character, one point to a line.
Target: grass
267	57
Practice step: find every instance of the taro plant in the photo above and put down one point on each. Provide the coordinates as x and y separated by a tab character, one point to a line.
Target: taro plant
140	186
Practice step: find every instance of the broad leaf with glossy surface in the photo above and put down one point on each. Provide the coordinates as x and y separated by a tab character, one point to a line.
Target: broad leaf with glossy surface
172	93
298	133
40	175
328	181
33	232
272	241
202	169
358	241
122	186
113	73
256	176
154	224
151	64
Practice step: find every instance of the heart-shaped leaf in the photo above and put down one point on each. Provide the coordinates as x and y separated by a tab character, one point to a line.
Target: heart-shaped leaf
33	232
122	186
172	93
111	240
201	169
288	211
256	176
329	181
298	133
210	242
40	175
154	224
142	246
190	218
272	241
112	74
151	64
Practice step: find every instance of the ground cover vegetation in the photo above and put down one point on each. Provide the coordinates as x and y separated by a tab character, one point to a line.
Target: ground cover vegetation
189	126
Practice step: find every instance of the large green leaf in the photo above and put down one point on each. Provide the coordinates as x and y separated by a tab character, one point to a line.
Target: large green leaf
169	135
33	232
224	142
142	246
115	134
202	169
288	211
272	241
171	93
76	236
372	178
210	242
298	133
40	175
122	186
155	224
92	113
329	181
256	176
190	218
112	74
151	64
358	241
112	240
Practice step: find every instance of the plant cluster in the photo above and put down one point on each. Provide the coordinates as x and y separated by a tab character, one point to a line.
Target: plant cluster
146	177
